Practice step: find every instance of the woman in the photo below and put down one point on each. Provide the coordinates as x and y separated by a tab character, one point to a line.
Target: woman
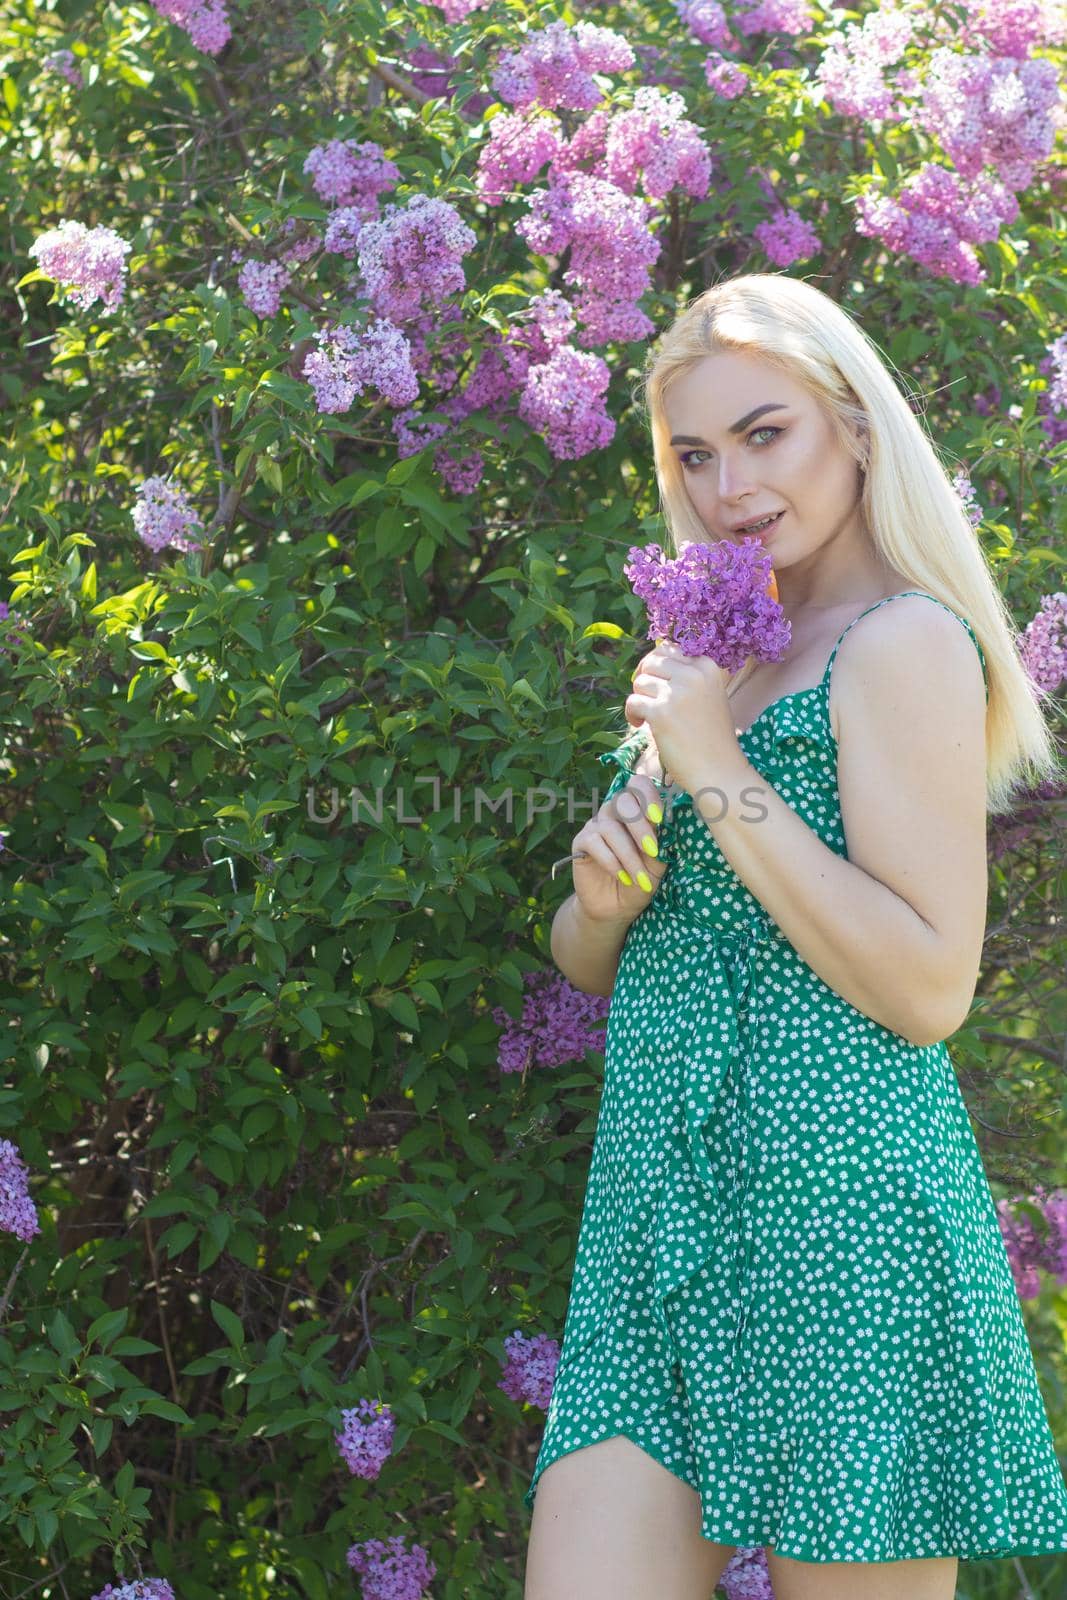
792	1320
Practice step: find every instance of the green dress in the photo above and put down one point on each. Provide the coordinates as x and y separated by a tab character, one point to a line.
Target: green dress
790	1285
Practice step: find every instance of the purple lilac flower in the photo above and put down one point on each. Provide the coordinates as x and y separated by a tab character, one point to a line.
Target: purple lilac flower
655	141
414	431
1043	645
414	253
137	1589
10	634
1029	813
776	16
705	19
1054	1256
348	173
390	1571
938	219
563	398
300	248
18	1214
1057	370
62	61
549	323
558	1024
747	1575
991	112
554	66
366	1437
352	359
711	600
724	76
343	231
656	65
1052	400
462	473
205	21
519	145
433	73
501	369
612	250
853	69
86	261
785	237
1022	1241
531	1368
963	486
261	283
987	403
456	10
164	516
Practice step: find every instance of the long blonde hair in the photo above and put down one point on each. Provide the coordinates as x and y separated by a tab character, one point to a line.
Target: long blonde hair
915	517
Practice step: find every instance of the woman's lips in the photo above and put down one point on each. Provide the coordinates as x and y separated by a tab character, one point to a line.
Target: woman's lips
764	533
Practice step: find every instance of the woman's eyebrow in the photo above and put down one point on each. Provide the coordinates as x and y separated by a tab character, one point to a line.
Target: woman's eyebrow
735	427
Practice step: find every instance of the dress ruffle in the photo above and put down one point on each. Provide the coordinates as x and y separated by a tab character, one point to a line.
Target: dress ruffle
821	1494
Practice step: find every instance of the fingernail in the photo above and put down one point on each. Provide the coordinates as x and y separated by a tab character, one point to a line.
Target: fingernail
626	878
645	881
655	813
649	845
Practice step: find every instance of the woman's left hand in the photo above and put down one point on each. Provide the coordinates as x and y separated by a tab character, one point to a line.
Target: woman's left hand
683	700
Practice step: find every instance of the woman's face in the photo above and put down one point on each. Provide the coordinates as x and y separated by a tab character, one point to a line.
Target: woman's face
751	442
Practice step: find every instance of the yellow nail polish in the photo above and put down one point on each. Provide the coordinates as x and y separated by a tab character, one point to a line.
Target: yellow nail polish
655	813
626	878
649	845
645	881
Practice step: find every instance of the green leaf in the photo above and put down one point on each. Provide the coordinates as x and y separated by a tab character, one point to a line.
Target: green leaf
229	1322
157	1406
104	1329
63	1337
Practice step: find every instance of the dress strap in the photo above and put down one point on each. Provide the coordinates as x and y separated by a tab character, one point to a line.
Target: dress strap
885	601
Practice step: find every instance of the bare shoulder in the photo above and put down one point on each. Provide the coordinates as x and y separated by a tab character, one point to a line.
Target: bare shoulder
913	656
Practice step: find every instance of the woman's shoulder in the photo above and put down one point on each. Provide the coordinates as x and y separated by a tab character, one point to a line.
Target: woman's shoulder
916	640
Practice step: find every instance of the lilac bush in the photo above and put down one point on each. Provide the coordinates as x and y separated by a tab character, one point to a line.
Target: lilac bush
325	473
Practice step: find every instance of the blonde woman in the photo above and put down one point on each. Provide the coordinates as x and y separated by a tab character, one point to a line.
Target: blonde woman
792	1320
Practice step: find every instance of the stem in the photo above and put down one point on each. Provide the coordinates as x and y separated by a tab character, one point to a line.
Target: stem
16	1269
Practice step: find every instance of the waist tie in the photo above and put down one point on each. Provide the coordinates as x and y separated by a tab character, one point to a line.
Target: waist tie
700	1188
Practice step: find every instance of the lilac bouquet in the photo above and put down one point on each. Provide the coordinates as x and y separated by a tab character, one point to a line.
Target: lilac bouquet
718	600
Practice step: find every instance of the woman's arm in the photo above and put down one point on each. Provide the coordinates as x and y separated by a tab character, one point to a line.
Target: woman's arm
586	951
897	927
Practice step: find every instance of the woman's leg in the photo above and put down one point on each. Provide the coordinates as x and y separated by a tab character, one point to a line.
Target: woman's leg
934	1579
610	1523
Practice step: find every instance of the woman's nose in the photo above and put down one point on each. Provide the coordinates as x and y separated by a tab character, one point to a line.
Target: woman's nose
732	480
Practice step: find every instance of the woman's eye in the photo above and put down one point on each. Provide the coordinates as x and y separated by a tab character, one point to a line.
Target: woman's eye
689	465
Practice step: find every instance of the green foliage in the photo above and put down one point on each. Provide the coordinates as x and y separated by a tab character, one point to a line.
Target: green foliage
280	815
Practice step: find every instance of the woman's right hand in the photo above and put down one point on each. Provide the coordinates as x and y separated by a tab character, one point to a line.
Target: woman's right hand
614	842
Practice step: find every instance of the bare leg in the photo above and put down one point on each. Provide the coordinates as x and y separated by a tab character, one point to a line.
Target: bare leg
611	1523
934	1579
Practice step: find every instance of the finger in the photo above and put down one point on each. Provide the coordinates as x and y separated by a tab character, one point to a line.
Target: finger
623	852
635	801
626	839
637	807
654	665
609	845
638	705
